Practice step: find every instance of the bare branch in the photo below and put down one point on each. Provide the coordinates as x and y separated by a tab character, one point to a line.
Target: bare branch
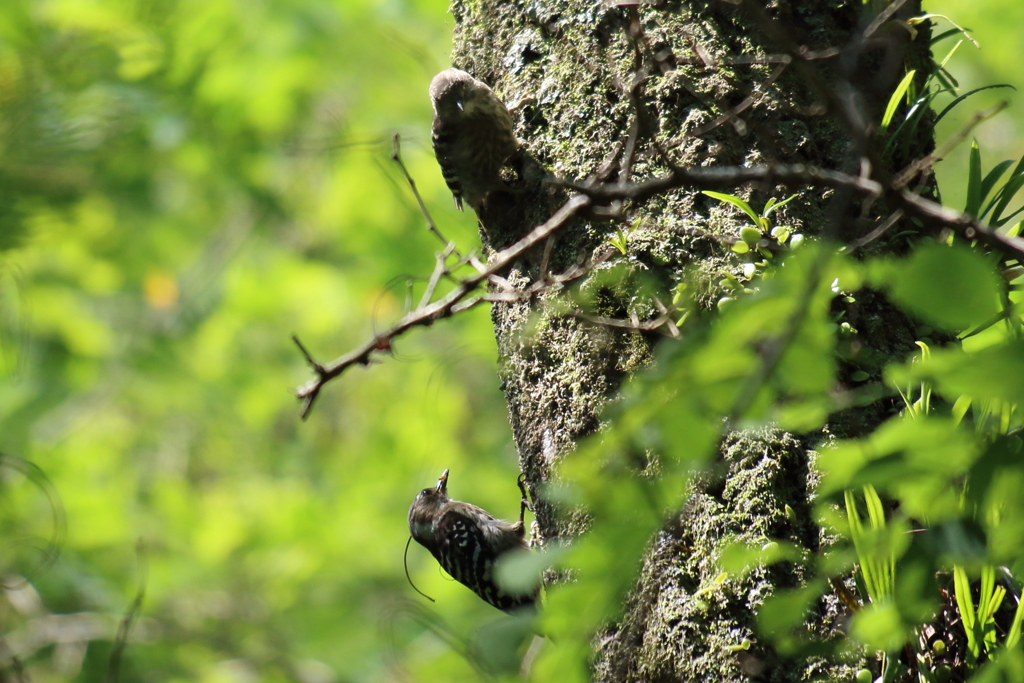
883	17
732	114
717	177
442	308
883	226
604	199
550	283
961	223
723	178
396	156
440	270
928	211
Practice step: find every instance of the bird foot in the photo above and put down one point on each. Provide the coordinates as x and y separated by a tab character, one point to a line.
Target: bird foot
524	503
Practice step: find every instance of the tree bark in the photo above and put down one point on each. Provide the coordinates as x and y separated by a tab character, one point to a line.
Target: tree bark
714	94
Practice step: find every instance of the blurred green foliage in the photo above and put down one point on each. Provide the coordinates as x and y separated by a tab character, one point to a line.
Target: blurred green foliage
996	61
183	185
952	477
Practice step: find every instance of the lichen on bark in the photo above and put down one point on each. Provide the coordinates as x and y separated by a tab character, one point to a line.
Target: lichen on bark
568	65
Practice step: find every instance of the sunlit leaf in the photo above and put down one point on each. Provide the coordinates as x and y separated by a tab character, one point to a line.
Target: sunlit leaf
951	288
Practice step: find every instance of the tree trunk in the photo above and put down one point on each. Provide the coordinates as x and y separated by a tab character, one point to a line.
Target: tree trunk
714	94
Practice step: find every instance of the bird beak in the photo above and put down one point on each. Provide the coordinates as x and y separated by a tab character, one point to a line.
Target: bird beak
442	483
458	103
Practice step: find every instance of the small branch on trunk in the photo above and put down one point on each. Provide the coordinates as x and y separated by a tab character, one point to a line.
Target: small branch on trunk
425	315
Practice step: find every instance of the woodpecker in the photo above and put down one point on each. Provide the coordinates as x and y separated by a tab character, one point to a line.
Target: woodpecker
472	135
467	541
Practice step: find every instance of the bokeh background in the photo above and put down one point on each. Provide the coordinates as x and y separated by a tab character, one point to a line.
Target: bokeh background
184	184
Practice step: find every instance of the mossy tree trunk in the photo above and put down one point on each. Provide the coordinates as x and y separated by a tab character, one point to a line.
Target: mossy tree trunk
714	95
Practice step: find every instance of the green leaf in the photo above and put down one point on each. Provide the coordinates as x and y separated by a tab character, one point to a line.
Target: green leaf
1007	192
1013	636
952	288
879	627
787	608
945	34
914	21
620	241
735	201
942	64
974	196
894	100
781	233
750	235
947	81
964	602
904	458
993	176
519	571
770	207
960	408
1006	219
993	372
949	107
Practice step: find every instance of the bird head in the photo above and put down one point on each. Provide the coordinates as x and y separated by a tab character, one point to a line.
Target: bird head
457	94
425	508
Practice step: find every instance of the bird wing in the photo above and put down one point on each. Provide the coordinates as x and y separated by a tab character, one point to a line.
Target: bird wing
470	542
443	139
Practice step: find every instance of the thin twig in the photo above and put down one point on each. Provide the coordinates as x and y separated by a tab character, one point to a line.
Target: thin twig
309	358
125	627
883	17
440	269
967	226
475	262
442	308
16	668
396	156
883	226
718	177
733	113
673	331
635	94
604	171
317	368
550	284
545	260
904	177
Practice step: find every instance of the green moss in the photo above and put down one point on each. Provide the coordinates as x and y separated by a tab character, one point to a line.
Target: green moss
566	58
